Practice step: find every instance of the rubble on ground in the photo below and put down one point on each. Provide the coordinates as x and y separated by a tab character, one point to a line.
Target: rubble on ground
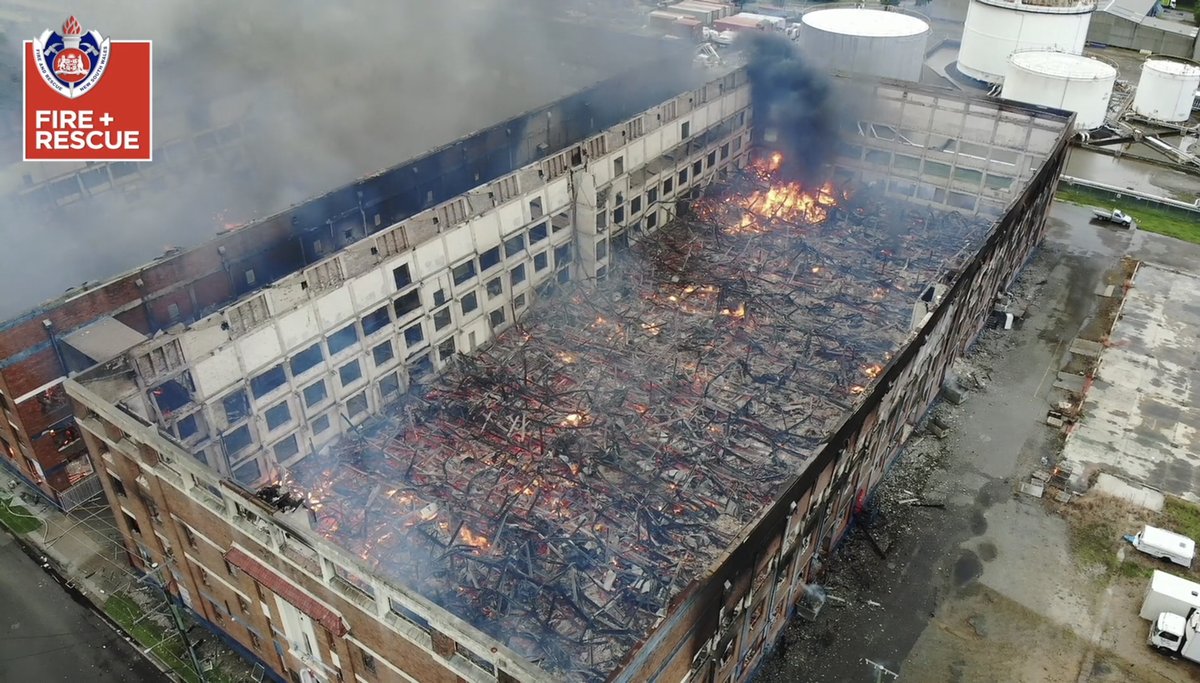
903	507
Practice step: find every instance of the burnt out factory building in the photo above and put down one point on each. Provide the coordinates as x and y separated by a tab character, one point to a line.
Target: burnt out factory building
599	417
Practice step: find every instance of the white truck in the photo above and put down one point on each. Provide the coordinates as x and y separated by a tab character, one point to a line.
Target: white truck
1177	635
1115	216
1165	545
1169	594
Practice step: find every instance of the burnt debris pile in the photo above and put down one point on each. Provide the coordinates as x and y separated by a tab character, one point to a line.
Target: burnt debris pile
560	485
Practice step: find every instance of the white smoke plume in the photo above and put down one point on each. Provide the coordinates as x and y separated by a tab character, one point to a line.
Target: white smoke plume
336	91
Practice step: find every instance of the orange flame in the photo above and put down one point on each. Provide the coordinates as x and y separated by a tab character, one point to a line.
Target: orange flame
788	202
856	390
574	420
873	370
473	539
737	313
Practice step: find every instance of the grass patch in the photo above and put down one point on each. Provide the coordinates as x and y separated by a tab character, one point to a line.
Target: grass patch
167	646
1177	223
1132	569
16	518
130	616
1181	517
1092	543
1098	524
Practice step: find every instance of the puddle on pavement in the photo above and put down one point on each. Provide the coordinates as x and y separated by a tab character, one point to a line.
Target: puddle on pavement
987	551
967	568
1074	227
978	523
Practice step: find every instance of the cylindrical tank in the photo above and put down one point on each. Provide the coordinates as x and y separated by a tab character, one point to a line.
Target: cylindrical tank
1061	80
995	29
1167	89
866	41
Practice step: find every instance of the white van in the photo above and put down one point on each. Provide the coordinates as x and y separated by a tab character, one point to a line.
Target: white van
1167	545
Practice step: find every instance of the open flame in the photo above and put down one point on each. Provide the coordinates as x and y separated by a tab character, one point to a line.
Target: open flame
224	219
873	370
789	202
736	313
473	539
574	420
774	162
857	389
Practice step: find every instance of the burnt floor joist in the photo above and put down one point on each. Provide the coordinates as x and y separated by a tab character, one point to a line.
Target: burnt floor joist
559	486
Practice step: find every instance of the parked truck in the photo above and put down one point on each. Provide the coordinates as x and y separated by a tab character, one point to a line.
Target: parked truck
1168	594
1115	216
1177	635
1165	545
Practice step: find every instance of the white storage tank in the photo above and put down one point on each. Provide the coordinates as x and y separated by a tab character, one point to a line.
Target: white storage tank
1061	80
1167	89
997	28
866	41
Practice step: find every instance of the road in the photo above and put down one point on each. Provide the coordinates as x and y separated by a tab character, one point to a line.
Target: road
45	635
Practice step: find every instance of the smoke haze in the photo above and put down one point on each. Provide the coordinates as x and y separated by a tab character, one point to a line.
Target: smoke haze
332	92
794	105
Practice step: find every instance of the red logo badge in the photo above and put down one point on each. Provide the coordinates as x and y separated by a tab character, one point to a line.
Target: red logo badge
87	98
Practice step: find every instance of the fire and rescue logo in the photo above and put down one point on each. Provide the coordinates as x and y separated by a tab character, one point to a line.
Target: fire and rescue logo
71	61
92	98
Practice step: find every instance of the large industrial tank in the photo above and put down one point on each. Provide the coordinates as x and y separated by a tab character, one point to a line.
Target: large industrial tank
866	41
1167	89
1061	80
996	28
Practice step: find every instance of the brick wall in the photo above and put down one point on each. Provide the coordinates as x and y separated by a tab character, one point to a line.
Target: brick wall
192	539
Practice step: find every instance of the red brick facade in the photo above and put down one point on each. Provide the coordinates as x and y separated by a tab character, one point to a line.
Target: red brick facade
162	525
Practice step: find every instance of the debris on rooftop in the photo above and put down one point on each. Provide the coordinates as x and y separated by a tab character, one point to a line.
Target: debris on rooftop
558	487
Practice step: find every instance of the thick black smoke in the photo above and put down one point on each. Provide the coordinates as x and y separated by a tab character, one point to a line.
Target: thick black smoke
794	107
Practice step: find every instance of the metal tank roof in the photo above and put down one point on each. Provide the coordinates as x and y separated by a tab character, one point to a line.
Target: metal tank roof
1046	6
1172	67
1062	65
871	23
